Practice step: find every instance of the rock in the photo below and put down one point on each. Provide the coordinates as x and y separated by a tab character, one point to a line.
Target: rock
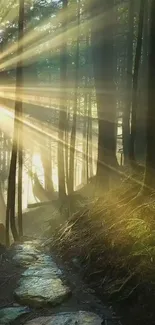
46	260
24	254
27	248
37	271
44	266
23	259
8	315
41	291
40	283
72	318
36	242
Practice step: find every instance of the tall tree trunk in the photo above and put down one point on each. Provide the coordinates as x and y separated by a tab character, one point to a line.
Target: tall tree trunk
2	204
84	136
103	62
17	146
140	145
18	107
126	113
135	83
66	151
73	130
63	110
87	149
10	211
90	136
149	179
45	153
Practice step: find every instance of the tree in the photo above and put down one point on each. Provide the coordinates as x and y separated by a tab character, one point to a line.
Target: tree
140	145
17	145
103	62
46	157
90	136
135	83
149	179
73	130
18	109
126	112
63	106
85	134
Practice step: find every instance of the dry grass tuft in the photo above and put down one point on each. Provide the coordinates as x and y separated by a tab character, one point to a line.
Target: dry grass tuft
114	240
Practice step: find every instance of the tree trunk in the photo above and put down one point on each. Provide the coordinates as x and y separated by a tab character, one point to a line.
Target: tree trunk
140	145
10	211
18	107
66	151
73	130
135	83
45	153
149	179
90	136
126	113
103	62
84	135
17	145
2	204
63	110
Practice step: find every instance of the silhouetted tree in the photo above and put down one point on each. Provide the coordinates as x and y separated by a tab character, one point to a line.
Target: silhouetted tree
73	130
135	83
17	145
126	112
103	26
63	104
149	179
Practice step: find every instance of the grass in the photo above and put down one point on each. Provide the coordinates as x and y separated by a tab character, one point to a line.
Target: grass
113	239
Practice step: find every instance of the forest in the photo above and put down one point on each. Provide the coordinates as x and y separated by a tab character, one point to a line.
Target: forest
77	161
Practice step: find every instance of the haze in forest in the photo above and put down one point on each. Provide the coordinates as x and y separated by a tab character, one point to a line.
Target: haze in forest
77	137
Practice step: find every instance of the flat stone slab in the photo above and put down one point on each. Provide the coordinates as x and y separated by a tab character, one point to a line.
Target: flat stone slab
27	247
45	260
25	254
43	267
44	271
72	318
41	291
24	259
8	315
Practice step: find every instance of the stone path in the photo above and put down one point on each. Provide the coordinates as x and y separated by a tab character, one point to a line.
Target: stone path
44	296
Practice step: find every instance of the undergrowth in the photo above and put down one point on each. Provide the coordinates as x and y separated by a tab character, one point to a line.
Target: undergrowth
113	239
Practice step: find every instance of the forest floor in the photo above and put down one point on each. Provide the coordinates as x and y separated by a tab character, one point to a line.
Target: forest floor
106	252
17	260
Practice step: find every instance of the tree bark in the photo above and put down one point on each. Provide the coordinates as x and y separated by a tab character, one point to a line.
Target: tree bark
73	130
149	179
67	151
17	145
103	62
90	137
84	165
135	84
63	110
126	113
45	153
18	107
140	145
